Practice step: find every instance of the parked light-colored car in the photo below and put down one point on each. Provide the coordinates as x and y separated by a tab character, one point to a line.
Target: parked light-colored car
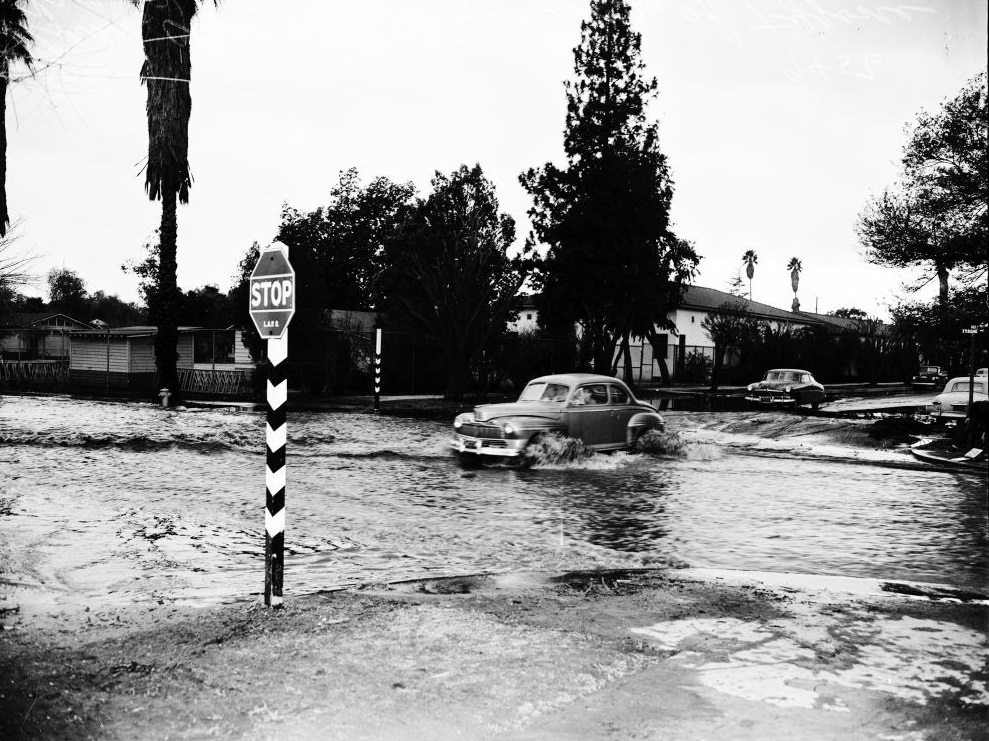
598	410
952	402
786	387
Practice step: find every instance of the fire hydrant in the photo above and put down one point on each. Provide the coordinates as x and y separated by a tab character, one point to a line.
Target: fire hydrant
165	395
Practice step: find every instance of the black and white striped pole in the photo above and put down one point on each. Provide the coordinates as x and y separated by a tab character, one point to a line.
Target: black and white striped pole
272	305
276	429
377	369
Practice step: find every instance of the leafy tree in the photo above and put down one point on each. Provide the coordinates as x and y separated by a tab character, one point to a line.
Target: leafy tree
147	272
67	292
935	328
449	271
935	218
795	267
613	265
345	238
750	258
15	43
113	311
727	326
167	68
207	307
849	313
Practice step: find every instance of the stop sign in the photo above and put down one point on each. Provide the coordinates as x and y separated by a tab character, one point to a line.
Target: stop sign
272	292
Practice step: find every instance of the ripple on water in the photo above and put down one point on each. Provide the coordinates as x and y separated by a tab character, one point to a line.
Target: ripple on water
169	503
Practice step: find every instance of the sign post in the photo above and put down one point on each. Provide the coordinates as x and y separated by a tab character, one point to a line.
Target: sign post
272	306
971	365
377	369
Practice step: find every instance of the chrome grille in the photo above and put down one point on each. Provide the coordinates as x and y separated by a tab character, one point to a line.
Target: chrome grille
489	432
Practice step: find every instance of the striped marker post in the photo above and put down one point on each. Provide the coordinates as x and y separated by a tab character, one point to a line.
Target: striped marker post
274	472
377	369
272	306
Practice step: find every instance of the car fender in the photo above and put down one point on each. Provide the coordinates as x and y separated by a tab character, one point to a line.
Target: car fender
528	427
641	422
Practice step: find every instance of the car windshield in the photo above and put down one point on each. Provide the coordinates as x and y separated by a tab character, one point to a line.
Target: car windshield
980	388
782	376
930	369
542	391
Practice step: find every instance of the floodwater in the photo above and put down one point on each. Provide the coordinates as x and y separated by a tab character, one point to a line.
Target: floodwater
125	502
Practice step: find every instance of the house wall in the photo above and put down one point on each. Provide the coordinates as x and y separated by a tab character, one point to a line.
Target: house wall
142	355
90	354
187	351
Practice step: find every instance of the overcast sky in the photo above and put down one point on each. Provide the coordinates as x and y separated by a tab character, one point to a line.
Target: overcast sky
779	118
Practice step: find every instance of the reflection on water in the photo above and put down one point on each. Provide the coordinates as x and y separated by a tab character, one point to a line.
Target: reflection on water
135	502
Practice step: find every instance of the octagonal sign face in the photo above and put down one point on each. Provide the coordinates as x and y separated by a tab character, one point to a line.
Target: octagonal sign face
272	292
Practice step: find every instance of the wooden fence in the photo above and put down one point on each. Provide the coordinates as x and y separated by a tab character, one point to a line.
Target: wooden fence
34	375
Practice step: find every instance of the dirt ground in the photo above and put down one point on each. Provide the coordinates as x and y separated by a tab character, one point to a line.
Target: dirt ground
473	657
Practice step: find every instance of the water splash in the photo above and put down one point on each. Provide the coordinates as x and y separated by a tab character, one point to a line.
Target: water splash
552	448
661	442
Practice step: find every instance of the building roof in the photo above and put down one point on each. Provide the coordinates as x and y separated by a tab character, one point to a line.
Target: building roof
135	331
34	320
709	299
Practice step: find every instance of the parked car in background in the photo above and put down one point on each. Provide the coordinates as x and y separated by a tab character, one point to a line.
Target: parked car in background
982	372
929	376
786	386
598	410
952	402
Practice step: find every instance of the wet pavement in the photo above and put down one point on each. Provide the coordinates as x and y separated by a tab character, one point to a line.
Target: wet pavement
777	582
125	502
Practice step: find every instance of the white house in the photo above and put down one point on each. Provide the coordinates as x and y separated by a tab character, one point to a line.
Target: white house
698	302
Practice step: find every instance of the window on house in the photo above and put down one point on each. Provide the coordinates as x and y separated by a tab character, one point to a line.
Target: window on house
214	347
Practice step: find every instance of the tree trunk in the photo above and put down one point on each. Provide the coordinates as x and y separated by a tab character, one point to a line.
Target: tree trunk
4	216
167	311
719	360
942	278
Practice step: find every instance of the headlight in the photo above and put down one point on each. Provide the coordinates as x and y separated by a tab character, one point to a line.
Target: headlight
509	428
750	387
458	423
787	389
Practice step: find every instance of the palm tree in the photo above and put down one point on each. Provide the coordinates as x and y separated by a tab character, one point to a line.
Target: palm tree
750	259
14	43
795	267
166	71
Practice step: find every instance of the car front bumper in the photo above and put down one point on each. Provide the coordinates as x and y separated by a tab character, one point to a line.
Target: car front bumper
769	398
948	411
500	448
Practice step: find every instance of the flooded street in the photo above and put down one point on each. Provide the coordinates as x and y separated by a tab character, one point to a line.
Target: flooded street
120	502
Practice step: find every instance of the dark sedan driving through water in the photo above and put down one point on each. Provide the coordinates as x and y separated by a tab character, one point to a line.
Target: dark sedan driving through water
600	411
786	387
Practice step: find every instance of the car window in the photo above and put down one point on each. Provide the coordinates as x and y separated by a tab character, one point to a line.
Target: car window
805	378
593	394
963	386
544	392
618	394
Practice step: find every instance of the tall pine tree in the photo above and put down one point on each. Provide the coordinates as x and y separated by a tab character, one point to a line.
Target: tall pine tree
613	265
